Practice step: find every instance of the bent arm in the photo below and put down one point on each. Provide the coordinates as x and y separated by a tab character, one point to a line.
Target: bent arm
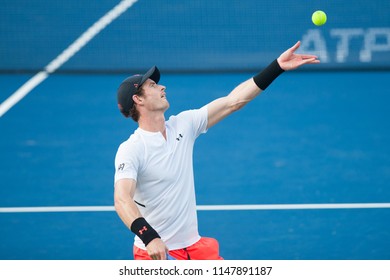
128	212
124	203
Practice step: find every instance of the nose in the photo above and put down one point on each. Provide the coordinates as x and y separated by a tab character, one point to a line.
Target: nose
163	87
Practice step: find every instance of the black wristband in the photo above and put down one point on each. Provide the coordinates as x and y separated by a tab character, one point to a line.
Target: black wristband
268	75
143	230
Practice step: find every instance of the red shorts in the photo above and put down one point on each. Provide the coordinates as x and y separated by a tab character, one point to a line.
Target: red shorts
205	249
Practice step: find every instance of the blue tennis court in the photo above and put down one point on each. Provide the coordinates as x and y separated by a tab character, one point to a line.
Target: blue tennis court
310	138
300	173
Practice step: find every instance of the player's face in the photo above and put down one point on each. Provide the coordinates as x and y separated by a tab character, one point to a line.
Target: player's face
155	96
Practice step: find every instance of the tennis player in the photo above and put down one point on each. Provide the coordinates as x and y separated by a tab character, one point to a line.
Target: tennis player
154	182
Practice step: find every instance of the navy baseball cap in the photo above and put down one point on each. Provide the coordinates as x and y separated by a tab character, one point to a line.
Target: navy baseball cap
129	87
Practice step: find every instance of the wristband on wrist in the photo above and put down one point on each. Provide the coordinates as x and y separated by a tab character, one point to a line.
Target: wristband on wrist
143	230
268	75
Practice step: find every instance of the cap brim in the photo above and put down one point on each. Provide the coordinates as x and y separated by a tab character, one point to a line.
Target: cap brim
153	74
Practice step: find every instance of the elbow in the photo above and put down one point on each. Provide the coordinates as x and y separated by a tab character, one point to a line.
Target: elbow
118	202
117	205
236	106
236	102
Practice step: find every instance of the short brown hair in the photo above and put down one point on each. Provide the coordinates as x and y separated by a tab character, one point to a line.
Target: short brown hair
133	113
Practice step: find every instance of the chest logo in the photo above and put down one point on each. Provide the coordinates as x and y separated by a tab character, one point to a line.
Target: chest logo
178	138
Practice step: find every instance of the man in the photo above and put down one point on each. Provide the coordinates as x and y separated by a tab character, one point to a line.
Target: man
154	182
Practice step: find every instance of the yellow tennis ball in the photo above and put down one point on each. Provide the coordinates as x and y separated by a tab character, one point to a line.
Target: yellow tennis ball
318	18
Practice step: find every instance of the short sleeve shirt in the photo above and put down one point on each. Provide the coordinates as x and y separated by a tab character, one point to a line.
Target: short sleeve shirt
163	171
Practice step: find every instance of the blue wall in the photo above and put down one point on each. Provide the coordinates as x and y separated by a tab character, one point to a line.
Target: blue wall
194	35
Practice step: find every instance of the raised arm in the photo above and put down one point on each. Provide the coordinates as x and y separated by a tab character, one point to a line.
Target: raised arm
248	90
235	100
132	218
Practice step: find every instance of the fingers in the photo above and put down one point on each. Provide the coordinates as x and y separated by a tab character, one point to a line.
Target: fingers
311	60
159	256
307	56
289	54
296	46
290	60
157	250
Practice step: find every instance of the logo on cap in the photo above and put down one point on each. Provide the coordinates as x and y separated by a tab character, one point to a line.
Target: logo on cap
136	85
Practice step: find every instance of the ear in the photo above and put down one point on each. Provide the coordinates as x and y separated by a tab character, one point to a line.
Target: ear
137	99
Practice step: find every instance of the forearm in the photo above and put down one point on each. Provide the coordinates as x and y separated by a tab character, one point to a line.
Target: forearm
243	94
234	101
127	210
130	215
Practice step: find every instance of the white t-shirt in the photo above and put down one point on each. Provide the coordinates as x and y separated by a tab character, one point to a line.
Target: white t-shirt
163	170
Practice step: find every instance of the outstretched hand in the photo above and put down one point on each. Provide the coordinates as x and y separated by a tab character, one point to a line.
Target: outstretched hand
290	60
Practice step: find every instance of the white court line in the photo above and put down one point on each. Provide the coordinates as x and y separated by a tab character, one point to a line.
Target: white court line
294	206
70	51
205	207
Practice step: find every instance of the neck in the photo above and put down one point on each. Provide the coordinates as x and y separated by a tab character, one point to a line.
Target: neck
153	123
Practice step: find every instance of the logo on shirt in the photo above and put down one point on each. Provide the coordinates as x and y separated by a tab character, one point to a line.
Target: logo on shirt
179	137
121	166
